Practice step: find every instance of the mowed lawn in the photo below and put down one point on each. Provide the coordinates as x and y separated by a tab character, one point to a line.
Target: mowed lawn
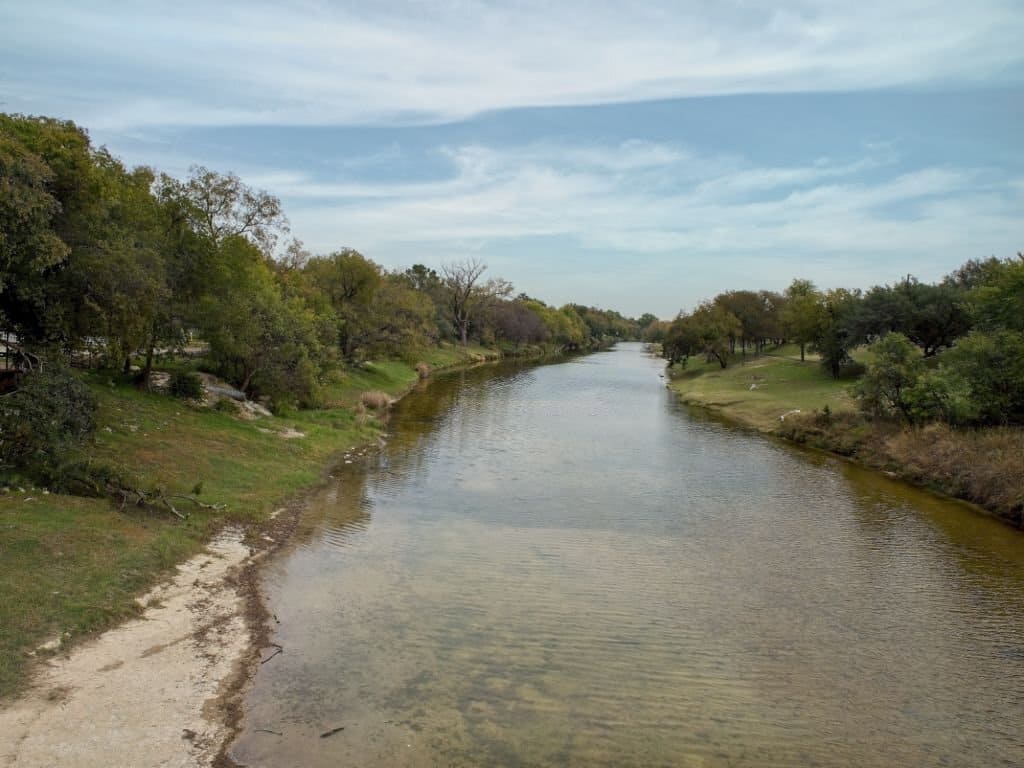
759	390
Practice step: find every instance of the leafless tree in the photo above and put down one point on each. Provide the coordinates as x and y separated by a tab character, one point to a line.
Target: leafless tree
467	295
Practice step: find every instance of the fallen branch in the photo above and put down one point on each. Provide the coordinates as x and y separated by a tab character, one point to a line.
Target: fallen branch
139	498
331	732
279	650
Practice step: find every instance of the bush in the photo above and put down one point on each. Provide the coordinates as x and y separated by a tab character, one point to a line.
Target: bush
44	421
226	405
186	385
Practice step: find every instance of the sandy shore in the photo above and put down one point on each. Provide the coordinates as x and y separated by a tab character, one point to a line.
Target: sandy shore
154	691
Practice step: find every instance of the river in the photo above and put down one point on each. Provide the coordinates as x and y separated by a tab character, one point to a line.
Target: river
561	565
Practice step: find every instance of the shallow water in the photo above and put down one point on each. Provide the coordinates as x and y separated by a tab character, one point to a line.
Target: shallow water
560	565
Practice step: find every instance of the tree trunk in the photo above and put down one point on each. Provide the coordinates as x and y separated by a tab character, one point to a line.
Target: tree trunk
801	351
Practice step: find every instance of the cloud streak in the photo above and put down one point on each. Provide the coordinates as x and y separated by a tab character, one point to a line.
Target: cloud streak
258	63
679	215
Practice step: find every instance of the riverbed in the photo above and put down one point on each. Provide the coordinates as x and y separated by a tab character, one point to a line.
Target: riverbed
562	565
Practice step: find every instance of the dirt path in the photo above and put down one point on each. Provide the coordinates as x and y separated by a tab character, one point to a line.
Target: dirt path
151	692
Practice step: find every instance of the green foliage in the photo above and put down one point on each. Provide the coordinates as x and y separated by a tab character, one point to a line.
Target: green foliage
836	335
990	367
998	298
803	314
186	385
894	369
709	330
44	422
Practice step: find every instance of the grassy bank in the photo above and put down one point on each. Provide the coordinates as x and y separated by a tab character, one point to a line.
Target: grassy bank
761	391
778	394
70	567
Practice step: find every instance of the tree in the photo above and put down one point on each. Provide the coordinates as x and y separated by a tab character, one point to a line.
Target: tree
223	207
998	302
803	314
466	295
517	322
836	334
938	314
261	341
349	282
991	364
28	244
399	320
49	205
708	331
894	369
751	309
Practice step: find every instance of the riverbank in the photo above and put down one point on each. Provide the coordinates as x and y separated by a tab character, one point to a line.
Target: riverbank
778	394
73	567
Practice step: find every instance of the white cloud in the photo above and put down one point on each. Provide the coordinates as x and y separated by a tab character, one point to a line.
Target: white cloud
203	63
698	209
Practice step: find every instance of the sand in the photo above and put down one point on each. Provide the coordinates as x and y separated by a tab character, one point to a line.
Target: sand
151	692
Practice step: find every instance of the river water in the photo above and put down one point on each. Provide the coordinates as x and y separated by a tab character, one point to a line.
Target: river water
561	565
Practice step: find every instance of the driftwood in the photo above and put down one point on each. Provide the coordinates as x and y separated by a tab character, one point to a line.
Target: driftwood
139	498
279	650
331	732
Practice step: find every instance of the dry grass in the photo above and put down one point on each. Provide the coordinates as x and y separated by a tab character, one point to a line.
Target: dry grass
375	400
985	466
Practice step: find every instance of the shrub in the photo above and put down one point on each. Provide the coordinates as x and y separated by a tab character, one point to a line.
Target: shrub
186	385
226	405
44	421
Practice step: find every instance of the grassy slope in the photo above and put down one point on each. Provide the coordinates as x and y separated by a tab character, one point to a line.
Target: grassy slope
983	466
762	389
74	566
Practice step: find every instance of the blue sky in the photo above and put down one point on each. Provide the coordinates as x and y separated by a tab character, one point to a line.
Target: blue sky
636	156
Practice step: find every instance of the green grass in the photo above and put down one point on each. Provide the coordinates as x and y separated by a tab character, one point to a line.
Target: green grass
72	567
760	390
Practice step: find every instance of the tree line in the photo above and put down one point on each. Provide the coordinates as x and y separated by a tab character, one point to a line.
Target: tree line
113	267
949	351
126	262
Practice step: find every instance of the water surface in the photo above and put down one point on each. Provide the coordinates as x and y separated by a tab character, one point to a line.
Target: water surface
562	566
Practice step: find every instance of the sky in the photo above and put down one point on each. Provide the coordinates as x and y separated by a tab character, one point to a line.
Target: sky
635	156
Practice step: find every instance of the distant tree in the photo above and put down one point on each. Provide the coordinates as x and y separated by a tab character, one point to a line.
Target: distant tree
349	281
836	332
751	309
646	320
467	295
938	314
517	322
803	314
708	331
398	322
